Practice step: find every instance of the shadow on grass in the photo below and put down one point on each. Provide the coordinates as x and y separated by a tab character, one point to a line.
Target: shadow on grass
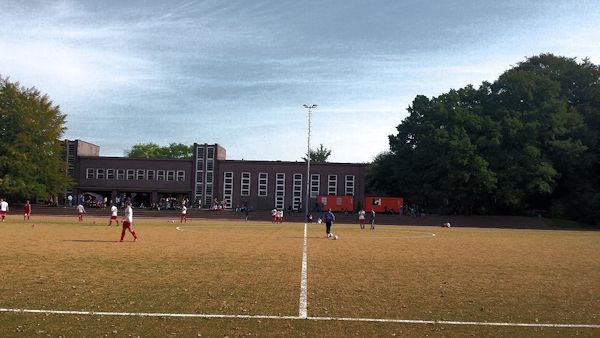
88	241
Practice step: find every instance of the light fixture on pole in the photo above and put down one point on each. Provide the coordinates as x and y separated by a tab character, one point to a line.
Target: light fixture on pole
306	208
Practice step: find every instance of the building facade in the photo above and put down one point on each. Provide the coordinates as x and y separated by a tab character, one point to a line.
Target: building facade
209	178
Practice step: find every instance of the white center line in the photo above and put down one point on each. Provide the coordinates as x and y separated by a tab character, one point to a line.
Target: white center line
302	309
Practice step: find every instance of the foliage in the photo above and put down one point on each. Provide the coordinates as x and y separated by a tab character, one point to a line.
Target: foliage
529	140
319	155
153	150
30	150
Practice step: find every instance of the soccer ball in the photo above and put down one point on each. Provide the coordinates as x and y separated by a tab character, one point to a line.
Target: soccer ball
172	221
335	237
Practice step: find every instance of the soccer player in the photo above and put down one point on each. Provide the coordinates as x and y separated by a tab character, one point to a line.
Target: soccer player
183	214
3	208
361	218
113	215
128	222
80	212
372	216
274	215
329	219
26	211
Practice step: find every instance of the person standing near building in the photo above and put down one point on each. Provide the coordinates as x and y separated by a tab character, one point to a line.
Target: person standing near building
80	212
70	199
113	215
128	222
3	208
329	219
274	215
26	211
183	214
361	218
372	217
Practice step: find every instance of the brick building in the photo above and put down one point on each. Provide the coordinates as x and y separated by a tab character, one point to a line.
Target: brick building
208	178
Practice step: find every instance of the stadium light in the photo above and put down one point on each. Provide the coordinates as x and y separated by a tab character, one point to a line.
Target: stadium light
306	208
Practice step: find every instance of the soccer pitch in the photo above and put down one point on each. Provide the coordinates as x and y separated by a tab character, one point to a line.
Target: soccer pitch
237	278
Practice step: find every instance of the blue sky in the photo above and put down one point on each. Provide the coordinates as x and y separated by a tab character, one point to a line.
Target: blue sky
238	72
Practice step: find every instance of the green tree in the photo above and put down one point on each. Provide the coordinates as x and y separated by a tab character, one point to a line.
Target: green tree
319	155
529	140
153	150
30	151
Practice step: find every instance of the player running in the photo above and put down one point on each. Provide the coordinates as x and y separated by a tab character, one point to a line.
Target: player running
128	222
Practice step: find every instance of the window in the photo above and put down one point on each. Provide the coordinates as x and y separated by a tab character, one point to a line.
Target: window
209	177
110	174
245	184
210	152
280	190
121	174
297	199
89	173
315	182
99	174
130	174
170	175
180	175
200	177
199	165
141	174
263	179
228	188
349	185
332	185
160	175
150	175
200	152
210	165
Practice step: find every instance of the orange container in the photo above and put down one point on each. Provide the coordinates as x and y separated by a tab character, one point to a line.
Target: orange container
383	204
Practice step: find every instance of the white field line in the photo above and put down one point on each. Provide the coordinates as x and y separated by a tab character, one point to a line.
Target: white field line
302	308
347	319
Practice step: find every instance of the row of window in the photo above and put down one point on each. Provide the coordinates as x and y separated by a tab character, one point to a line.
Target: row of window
263	185
134	174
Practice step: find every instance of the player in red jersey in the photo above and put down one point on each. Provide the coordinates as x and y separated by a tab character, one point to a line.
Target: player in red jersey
26	211
128	222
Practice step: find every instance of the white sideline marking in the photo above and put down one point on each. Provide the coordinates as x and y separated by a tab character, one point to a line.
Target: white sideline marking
302	309
348	319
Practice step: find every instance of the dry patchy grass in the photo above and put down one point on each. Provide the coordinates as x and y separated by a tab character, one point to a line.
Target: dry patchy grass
253	268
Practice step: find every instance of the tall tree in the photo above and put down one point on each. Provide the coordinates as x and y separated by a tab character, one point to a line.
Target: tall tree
153	150
529	140
30	130
319	155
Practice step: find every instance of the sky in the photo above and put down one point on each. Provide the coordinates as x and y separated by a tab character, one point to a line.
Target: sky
237	73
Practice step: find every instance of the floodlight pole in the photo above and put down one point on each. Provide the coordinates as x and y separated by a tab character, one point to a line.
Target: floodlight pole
306	208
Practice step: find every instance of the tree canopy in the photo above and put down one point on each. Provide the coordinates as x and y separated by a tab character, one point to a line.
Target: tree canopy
319	155
153	150
30	149
528	141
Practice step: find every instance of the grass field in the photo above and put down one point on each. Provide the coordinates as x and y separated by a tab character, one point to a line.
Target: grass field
236	278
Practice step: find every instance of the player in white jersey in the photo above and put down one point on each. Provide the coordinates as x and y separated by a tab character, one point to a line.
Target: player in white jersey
183	215
128	222
3	208
80	212
113	215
